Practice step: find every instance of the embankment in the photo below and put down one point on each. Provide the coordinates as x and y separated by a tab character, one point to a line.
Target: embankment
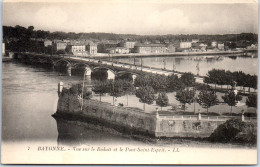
135	122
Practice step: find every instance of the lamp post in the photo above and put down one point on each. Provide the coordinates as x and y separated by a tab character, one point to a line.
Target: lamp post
82	100
141	64
198	68
173	65
164	63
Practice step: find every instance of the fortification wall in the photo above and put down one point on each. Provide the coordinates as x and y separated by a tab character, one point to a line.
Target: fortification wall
132	119
120	116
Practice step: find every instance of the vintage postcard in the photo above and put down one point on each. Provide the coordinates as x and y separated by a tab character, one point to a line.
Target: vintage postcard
129	82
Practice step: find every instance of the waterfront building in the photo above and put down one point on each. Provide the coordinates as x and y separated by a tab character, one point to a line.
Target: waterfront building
128	44
59	46
118	50
185	44
214	43
195	40
91	48
252	46
150	48
221	46
47	43
199	47
171	48
103	46
76	49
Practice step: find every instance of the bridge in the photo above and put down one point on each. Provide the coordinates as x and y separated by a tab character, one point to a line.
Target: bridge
86	65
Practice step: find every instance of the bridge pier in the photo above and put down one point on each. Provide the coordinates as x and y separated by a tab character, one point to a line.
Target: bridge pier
134	77
68	69
110	75
87	71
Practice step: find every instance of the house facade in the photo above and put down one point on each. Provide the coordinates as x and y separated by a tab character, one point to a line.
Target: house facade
118	50
185	44
91	48
150	48
76	49
221	46
128	44
60	46
47	43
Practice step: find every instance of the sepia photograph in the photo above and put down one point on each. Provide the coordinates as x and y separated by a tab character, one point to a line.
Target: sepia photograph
155	82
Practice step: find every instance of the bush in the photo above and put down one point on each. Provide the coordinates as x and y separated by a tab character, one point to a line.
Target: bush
234	130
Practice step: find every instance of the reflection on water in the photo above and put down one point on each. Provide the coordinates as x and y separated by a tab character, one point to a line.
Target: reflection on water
29	98
82	133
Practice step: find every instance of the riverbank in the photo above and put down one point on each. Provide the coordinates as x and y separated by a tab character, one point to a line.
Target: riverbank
72	131
107	55
137	122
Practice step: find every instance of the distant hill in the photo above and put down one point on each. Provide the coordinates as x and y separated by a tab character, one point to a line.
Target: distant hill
20	32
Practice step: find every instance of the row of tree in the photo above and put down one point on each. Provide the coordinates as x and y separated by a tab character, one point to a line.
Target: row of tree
147	86
162	83
239	78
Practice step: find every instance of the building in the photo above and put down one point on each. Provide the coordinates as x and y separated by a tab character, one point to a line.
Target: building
59	46
102	47
118	50
91	48
199	47
150	48
128	44
47	43
195	40
171	48
185	44
76	49
214	43
221	46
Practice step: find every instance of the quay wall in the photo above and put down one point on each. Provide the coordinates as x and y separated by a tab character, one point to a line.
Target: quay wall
134	121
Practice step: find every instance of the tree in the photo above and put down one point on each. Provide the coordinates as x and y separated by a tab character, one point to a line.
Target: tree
116	88
207	99
142	80
128	88
76	90
173	83
187	79
162	100
251	101
185	96
231	99
145	95
61	52
100	87
158	82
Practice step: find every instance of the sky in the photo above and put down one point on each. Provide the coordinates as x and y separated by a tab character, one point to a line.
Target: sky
133	17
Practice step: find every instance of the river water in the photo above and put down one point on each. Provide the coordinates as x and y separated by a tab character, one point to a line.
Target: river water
29	98
201	64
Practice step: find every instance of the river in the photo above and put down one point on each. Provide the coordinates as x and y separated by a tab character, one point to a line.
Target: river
30	98
201	64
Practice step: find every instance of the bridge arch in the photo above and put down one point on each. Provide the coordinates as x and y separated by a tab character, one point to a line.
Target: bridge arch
133	75
87	69
111	74
62	60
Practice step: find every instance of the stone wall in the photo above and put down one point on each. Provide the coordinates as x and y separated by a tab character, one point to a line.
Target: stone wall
120	116
144	123
186	128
